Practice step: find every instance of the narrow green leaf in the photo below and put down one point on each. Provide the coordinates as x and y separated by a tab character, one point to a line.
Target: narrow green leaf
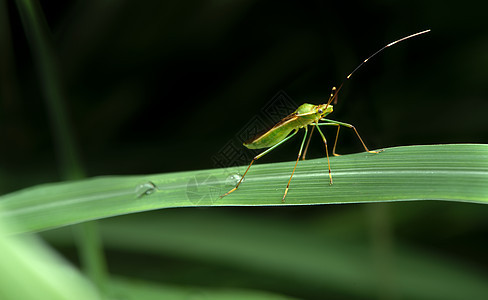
40	40
38	36
31	270
304	257
456	172
139	289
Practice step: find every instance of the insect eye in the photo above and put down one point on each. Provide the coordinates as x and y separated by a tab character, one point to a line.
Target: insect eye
320	111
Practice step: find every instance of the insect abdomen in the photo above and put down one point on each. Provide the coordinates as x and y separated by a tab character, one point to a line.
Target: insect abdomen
270	138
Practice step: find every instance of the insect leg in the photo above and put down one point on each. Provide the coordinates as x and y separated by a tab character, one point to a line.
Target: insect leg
337	123
258	157
296	163
326	150
336	138
335	142
308	143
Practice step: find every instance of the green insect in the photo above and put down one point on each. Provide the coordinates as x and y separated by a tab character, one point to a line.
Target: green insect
307	115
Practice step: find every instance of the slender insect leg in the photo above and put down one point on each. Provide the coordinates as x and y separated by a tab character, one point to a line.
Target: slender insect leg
258	157
296	163
336	123
336	138
326	152
308	143
335	142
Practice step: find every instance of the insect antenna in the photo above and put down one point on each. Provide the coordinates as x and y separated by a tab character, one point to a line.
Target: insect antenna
335	91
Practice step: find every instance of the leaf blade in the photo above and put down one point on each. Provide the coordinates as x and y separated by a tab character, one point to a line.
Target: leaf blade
456	172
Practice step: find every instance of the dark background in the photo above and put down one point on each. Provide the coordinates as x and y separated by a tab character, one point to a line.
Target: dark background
162	86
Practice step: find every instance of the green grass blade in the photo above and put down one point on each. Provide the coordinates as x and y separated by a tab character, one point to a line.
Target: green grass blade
298	257
31	270
40	40
139	289
38	36
456	172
